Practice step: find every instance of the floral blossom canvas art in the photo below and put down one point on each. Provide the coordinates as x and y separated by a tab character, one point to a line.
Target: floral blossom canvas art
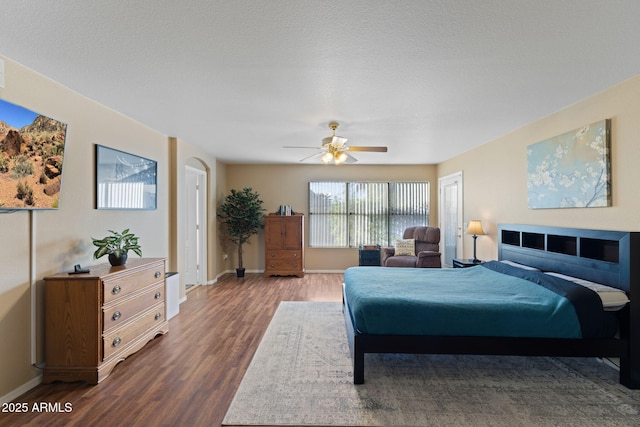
572	170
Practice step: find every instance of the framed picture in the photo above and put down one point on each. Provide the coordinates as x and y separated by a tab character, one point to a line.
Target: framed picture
572	170
124	180
32	148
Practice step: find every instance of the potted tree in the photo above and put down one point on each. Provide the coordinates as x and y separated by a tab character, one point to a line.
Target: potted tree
242	215
117	245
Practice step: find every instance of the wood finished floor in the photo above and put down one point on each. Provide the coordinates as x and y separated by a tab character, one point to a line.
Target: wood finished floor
189	376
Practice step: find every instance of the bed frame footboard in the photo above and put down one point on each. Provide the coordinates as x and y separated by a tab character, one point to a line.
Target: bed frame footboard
360	344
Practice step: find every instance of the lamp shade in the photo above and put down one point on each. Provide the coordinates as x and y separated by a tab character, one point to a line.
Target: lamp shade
475	228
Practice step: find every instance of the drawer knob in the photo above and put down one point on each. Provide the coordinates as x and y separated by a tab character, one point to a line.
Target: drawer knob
116	315
157	295
295	255
158	274
116	290
158	315
273	255
273	265
116	341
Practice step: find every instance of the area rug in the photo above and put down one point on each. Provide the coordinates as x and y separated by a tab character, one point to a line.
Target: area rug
301	375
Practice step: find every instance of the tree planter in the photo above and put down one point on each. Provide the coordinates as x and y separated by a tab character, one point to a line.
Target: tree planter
242	216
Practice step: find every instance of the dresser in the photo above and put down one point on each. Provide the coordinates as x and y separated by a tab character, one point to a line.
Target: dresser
284	245
95	320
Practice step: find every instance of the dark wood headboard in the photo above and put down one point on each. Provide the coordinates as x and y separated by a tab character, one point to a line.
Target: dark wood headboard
608	257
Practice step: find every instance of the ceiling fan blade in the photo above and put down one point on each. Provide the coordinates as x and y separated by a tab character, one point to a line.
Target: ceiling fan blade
350	158
336	140
291	146
319	153
365	148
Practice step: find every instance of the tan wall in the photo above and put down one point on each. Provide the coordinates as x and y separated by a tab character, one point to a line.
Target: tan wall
495	174
288	185
221	265
62	238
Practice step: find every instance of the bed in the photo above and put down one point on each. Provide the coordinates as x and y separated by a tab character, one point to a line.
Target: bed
512	306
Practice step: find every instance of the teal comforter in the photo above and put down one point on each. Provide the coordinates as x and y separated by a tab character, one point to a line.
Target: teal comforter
474	301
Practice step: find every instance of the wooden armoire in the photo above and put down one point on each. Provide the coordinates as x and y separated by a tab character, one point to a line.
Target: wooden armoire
284	245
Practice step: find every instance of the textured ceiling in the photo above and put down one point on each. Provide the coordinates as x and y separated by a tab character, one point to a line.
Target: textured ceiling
243	78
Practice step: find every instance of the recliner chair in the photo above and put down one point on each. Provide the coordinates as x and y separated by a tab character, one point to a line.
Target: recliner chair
427	249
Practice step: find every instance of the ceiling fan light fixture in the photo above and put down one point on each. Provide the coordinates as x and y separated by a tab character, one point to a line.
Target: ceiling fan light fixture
327	158
335	151
334	140
340	157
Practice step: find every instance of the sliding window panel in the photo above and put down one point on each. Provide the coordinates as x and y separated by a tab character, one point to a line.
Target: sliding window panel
408	207
328	214
368	213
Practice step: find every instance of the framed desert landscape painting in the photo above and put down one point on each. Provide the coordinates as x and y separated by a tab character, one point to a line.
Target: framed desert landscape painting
31	158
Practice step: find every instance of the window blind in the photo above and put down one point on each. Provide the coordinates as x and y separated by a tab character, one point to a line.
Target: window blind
348	214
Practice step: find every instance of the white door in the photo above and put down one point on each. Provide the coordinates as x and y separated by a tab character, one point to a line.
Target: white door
450	214
195	227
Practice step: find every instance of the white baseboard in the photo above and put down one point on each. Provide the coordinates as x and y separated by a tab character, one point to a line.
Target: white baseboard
262	271
21	390
324	271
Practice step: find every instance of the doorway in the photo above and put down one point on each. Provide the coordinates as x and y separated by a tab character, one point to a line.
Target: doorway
195	227
450	214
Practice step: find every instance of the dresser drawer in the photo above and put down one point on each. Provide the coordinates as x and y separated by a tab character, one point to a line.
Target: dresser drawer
283	255
280	265
126	284
124	311
118	339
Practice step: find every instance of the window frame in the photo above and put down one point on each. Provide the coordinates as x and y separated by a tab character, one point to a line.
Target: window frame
347	240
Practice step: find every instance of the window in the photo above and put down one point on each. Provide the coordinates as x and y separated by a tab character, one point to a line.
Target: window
348	214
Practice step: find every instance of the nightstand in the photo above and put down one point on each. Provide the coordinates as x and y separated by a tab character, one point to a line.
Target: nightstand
465	262
369	255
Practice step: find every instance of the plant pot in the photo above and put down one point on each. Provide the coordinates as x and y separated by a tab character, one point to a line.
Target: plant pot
115	260
240	272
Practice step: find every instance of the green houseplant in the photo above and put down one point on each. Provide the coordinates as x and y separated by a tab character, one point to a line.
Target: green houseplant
242	215
117	245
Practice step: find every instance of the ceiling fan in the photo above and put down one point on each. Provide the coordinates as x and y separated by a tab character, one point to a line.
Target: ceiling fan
335	151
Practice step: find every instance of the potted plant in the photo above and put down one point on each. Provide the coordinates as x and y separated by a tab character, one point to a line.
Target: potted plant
117	245
242	215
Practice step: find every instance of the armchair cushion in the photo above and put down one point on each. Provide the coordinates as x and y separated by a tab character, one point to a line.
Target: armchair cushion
428	259
405	247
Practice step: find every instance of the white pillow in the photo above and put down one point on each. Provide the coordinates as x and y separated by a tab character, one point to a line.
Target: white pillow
612	299
405	247
522	266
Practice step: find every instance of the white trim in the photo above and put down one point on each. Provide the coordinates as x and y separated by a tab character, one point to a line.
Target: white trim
324	271
448	179
262	272
33	286
21	390
201	179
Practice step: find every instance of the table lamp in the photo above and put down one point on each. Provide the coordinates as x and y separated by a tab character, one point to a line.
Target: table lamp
475	229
